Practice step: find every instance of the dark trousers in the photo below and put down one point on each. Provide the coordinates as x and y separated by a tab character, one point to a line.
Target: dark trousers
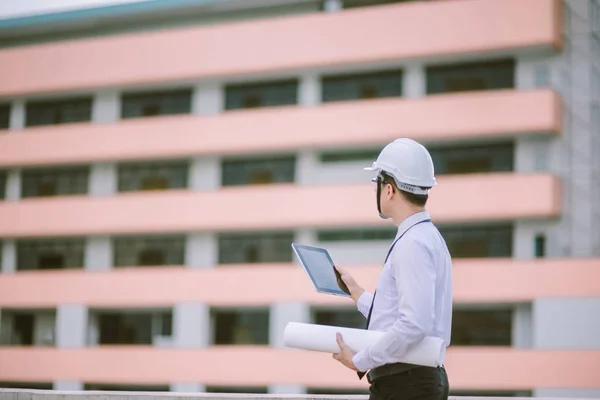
423	383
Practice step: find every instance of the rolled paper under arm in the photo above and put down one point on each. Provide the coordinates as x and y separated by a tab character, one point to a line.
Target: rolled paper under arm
429	352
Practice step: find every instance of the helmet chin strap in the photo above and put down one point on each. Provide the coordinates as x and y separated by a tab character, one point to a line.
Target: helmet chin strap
379	183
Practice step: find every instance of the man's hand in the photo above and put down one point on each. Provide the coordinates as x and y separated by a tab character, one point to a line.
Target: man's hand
345	355
353	287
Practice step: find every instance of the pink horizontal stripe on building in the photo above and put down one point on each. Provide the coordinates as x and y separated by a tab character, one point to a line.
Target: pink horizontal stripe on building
468	368
275	207
474	281
419	30
496	114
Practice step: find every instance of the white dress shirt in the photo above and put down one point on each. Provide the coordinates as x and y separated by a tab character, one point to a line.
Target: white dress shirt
414	295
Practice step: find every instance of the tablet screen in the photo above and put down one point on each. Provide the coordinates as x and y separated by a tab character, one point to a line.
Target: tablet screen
320	268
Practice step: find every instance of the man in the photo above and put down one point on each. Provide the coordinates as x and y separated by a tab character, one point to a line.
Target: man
413	298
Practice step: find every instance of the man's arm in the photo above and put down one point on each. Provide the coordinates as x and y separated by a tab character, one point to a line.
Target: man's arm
414	273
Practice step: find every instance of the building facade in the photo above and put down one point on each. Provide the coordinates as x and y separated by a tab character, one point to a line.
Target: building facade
158	158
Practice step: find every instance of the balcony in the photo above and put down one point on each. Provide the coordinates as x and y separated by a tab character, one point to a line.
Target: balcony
443	28
483	115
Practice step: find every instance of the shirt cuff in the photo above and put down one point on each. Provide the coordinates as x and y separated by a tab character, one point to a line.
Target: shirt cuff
364	303
362	361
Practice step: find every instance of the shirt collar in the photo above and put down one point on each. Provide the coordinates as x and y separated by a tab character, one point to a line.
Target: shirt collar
411	220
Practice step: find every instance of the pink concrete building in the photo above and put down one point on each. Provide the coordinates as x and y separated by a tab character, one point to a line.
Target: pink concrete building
157	159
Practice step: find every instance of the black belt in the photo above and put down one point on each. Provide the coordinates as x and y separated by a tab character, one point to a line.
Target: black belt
392	369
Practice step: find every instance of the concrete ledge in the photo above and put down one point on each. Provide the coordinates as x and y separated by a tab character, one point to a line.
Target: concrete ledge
26	394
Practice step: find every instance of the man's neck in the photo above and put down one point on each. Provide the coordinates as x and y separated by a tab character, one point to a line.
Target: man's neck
401	215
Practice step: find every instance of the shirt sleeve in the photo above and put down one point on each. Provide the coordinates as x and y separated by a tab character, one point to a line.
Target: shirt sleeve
414	274
364	303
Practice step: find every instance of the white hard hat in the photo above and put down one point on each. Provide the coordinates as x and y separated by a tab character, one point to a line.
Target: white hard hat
409	163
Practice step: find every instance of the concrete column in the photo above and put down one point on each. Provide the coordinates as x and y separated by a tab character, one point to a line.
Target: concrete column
287	389
306	236
205	174
524	236
9	256
191	325
71	326
306	165
309	93
208	99
414	81
187	387
98	253
106	107
17	115
103	180
68	385
522	334
333	5
13	184
566	323
201	250
280	315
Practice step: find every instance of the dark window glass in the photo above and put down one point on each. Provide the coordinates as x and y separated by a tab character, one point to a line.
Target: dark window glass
362	86
58	111
492	327
464	77
347	318
4	116
540	246
339	235
153	176
22	328
258	171
61	181
241	327
491	393
476	241
367	155
336	391
259	247
132	327
496	157
149	104
149	250
3	179
109	387
27	385
48	254
473	159
237	389
261	94
369	3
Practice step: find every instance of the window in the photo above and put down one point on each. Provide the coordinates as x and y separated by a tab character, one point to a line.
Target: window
364	234
497	157
27	385
369	3
237	389
343	317
490	75
149	104
261	94
490	393
336	392
540	246
260	247
257	171
132	327
476	241
3	179
50	254
362	86
352	155
149	250
58	111
153	176
241	327
27	328
491	327
61	181
4	116
110	387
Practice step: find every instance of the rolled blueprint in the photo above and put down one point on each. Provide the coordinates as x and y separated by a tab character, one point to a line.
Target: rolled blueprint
429	352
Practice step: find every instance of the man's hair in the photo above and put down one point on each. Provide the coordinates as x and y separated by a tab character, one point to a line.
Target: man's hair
419	200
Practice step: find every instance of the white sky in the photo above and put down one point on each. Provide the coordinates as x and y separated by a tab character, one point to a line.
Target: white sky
23	8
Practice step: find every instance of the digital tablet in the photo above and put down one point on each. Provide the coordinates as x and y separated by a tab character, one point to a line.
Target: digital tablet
321	270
